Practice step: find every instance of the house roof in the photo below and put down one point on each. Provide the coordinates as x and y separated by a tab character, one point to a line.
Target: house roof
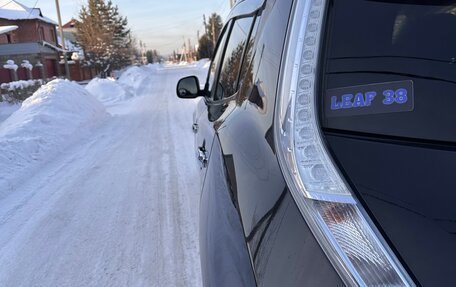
6	29
13	10
24	48
52	46
70	24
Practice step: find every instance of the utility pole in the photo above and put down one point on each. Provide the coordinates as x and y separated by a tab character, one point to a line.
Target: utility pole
213	31
67	68
205	25
143	52
190	50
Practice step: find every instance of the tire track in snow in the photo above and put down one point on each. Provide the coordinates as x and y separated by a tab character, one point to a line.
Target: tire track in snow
118	209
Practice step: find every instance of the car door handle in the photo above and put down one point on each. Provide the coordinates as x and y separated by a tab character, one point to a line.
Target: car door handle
195	128
202	157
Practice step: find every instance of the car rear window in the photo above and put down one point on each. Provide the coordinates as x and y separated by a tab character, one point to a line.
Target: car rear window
404	52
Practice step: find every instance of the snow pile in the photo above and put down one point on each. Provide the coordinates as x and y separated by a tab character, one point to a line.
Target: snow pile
207	65
10	65
6	29
44	124
12	86
154	67
133	77
26	64
108	91
203	64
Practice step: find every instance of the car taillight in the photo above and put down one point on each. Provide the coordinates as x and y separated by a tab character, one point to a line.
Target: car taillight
338	221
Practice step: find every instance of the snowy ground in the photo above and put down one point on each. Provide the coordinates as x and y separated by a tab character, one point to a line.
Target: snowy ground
113	205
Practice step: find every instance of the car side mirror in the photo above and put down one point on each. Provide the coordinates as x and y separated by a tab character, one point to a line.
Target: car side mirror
188	88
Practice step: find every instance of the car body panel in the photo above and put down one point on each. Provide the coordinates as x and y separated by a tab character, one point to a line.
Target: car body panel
251	230
224	257
399	164
278	243
407	188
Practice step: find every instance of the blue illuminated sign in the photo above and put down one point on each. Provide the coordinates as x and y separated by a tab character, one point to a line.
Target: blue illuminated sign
370	99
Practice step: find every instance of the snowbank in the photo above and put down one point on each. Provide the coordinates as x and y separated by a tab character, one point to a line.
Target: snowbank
21	84
133	77
203	64
108	91
154	67
10	65
44	125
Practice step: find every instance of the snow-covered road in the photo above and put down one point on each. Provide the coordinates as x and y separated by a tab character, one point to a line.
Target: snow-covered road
118	207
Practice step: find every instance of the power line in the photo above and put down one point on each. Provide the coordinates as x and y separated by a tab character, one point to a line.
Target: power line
31	10
6	3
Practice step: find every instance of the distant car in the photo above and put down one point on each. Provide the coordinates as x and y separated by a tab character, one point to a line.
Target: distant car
327	145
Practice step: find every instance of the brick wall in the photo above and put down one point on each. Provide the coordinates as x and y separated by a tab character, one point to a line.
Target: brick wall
29	31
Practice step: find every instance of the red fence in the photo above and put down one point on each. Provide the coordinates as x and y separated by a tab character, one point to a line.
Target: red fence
36	73
22	74
51	67
5	76
78	73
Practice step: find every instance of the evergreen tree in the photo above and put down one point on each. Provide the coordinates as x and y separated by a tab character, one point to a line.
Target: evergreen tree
205	47
153	56
213	28
104	35
150	57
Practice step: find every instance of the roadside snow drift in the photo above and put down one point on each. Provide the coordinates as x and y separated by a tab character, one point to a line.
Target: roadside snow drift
108	91
43	125
134	77
119	205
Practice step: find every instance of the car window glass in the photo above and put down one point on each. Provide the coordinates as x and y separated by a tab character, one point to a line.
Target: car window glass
217	56
227	82
247	70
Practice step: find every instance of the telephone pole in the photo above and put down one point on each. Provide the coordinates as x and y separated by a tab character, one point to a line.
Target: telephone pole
213	31
59	17
190	50
205	25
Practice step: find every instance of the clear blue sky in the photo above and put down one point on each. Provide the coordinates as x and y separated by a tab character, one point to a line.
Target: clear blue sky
161	24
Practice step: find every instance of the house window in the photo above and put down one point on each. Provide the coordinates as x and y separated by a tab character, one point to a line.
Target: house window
41	31
51	31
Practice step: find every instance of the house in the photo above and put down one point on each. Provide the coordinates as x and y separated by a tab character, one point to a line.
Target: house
71	43
79	72
70	30
27	35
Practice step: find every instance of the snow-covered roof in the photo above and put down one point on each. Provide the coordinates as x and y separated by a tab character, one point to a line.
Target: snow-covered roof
6	29
13	10
53	46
